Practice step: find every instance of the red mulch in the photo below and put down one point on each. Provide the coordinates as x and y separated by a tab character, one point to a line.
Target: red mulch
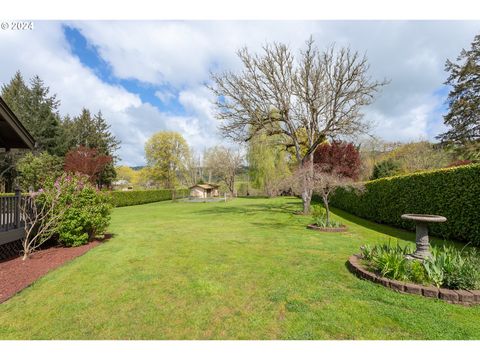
16	274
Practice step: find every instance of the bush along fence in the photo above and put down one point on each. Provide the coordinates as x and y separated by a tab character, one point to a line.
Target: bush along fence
453	193
137	197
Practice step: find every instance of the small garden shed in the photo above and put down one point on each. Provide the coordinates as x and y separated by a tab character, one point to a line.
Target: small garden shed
204	190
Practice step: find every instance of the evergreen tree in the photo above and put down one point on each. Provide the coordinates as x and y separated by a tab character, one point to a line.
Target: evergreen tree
463	117
92	132
36	109
385	168
16	95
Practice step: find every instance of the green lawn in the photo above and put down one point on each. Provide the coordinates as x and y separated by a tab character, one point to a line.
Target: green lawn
247	269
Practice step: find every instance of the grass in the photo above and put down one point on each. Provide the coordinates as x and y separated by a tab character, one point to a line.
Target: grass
247	269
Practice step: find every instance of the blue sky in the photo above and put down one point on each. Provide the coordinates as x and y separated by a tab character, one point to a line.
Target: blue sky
89	57
148	76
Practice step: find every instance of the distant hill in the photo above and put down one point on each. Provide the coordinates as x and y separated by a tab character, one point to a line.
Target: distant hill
137	167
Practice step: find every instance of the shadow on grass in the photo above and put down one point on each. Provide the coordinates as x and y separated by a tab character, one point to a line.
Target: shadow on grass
390	230
106	237
286	208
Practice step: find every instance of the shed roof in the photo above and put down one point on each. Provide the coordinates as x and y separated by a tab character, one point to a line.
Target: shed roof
12	133
205	186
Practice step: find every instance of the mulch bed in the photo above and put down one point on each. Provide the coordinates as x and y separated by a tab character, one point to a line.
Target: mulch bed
16	274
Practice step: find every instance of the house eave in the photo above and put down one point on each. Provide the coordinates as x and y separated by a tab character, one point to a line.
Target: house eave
24	139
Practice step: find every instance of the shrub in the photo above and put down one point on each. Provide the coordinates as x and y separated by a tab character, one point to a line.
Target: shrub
319	215
137	197
385	168
448	267
453	193
36	169
87	209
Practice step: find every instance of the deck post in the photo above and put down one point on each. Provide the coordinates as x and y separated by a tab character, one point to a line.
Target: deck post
18	198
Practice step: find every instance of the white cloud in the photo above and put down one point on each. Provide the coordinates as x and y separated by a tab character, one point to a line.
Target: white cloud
165	96
180	55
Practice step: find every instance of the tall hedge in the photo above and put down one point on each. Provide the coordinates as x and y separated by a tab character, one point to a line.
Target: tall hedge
453	193
137	197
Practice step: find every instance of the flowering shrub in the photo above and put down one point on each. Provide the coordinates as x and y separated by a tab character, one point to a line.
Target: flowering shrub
87	210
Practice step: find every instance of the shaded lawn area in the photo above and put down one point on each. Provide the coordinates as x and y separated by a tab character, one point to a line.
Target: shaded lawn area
247	269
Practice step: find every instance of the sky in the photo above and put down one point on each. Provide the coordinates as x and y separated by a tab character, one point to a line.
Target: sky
149	76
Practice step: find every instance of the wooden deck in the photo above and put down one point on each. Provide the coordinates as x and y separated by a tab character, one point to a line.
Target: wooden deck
11	226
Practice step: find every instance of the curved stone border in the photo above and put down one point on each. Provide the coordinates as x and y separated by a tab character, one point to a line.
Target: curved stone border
463	297
327	229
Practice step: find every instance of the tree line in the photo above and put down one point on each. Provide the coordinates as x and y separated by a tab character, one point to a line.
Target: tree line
284	102
81	143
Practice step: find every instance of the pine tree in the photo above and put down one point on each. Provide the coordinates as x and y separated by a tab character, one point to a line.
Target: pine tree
463	117
16	94
44	120
36	109
93	132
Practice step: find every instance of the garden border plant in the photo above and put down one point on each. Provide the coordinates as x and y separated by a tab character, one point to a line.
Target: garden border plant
449	274
463	297
323	223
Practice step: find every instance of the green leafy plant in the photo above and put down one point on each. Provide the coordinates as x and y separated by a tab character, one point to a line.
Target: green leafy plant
453	268
85	210
447	267
319	215
385	168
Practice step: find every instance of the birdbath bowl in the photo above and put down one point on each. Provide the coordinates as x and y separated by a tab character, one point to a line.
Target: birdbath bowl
422	250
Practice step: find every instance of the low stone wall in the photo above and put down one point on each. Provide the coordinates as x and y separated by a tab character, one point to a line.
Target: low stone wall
463	297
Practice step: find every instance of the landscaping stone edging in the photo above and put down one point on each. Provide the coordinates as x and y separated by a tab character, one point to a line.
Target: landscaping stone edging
325	229
462	297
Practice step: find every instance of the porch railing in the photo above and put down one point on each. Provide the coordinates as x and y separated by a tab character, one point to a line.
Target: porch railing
11	225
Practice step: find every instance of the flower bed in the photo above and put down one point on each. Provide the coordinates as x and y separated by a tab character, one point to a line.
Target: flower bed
459	296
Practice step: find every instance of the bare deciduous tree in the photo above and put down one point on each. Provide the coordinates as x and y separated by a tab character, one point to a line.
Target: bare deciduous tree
305	100
224	164
322	181
41	219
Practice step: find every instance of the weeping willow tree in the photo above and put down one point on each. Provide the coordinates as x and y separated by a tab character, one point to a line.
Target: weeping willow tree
268	163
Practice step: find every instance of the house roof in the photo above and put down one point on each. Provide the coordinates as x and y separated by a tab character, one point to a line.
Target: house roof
12	133
205	186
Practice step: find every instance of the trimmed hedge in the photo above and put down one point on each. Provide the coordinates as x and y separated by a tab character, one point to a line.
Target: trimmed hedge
137	197
453	193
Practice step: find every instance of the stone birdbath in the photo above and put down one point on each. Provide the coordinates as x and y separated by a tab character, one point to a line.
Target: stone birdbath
422	250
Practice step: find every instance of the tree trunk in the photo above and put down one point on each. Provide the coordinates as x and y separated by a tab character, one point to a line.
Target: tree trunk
306	199
307	188
327	209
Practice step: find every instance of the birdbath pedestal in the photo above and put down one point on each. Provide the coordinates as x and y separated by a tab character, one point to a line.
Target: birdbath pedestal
422	250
